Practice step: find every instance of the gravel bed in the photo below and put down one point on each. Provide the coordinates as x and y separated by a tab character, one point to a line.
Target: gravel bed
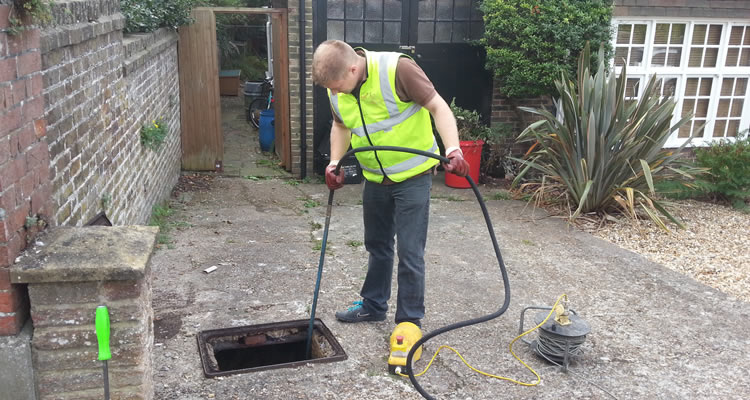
713	247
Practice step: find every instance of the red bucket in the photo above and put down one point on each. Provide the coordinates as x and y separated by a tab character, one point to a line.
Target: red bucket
473	155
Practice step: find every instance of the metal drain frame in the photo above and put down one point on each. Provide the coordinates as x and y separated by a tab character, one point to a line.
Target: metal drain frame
302	325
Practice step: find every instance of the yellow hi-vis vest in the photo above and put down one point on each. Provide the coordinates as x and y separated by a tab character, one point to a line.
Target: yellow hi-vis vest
389	122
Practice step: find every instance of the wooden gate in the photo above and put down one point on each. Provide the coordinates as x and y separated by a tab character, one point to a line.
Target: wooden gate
200	108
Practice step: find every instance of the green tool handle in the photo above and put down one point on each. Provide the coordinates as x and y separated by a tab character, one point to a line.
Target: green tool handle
102	332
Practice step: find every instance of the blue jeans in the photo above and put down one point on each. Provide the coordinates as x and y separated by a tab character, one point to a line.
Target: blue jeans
400	210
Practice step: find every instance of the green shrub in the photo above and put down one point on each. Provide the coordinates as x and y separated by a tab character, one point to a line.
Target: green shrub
150	15
469	124
607	153
154	134
529	44
729	166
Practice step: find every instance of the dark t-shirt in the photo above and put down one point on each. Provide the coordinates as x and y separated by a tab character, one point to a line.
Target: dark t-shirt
411	83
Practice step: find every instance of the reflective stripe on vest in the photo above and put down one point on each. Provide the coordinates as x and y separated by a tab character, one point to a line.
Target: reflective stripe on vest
405	165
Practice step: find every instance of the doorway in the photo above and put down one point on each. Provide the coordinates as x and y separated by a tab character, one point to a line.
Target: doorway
435	33
202	83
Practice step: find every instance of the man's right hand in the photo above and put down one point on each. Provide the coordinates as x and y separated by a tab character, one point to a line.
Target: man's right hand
332	180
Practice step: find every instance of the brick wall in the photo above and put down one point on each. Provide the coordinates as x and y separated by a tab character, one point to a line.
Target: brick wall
99	89
294	87
73	97
683	8
24	160
505	110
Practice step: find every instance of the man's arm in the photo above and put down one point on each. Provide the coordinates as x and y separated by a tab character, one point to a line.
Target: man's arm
341	136
445	122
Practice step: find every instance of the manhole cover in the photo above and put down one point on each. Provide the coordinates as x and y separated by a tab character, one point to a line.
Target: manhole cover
260	347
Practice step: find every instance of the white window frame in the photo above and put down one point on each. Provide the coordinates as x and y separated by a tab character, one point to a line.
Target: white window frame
683	72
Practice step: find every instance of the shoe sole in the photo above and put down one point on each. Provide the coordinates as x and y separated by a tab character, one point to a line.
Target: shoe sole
362	319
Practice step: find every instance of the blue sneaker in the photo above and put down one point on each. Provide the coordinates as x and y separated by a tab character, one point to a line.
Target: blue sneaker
357	313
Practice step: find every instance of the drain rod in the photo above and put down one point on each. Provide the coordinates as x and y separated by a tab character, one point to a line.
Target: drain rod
457	325
308	351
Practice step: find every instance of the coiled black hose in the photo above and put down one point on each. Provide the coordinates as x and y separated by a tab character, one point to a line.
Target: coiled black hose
430	335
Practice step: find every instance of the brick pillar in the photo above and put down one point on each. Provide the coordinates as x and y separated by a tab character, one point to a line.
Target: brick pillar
24	161
76	270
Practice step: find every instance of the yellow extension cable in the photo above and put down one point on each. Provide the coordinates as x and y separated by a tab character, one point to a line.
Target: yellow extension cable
510	346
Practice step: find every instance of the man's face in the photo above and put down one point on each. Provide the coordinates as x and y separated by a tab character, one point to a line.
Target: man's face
345	84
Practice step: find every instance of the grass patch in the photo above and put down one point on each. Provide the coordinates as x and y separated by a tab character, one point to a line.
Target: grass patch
528	242
310	203
160	214
315	226
501	196
354	243
447	198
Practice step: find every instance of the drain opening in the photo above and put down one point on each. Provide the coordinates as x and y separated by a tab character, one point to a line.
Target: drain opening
261	347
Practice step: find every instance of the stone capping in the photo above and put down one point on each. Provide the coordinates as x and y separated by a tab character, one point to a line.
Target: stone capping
53	37
82	254
141	47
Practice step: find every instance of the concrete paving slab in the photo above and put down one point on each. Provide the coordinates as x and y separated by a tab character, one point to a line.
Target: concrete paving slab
655	334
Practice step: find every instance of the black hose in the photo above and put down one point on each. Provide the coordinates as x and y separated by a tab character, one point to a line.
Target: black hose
430	335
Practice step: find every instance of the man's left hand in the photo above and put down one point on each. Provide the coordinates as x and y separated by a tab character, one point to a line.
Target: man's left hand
458	165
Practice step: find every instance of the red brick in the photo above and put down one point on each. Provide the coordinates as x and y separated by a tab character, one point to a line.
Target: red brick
18	90
32	39
40	128
29	63
10	300
8	69
35	85
3	239
33	109
3	44
11	325
4	276
4	256
10	120
4	13
15	45
8	200
4	150
18	216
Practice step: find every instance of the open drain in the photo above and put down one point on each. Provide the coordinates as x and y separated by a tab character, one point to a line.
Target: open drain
260	347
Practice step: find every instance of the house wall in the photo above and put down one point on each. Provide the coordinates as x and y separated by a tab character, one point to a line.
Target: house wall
295	84
682	8
73	97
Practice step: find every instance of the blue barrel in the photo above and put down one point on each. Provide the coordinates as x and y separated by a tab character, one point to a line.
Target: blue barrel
266	130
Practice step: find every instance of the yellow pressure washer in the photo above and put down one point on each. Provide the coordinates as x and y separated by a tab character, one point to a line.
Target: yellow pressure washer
403	338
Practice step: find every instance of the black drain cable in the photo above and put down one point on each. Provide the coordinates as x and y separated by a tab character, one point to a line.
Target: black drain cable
430	335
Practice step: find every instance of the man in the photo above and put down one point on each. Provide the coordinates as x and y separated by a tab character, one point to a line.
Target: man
385	99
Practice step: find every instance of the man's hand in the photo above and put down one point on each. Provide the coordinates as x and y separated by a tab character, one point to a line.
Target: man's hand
332	180
458	165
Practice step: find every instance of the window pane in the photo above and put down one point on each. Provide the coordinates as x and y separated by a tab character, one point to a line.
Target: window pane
462	10
710	57
639	34
335	30
392	10
684	131
746	41
696	56
659	56
354	31
706	84
726	86
477	30
733	127
735	36
427	10
336	9
740	88
673	57
719	126
736	108
354	9
723	110
701	109
373	10
732	57
670	87
661	34
714	35
678	34
391	32
444	11
460	32
373	32
621	55
443	32
691	89
425	32
699	34
636	56
745	57
623	34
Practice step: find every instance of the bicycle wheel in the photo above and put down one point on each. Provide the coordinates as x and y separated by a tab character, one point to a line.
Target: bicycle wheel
254	110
